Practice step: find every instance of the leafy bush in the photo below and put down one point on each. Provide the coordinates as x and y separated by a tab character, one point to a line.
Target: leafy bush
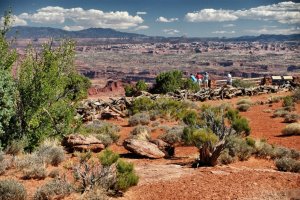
225	158
53	155
173	135
129	90
140	133
238	147
191	118
12	190
243	107
132	90
291	118
264	150
232	114
126	177
250	141
168	81
188	84
141	85
139	118
241	83
106	132
199	137
241	125
142	104
287	164
287	101
57	188
108	157
280	113
291	129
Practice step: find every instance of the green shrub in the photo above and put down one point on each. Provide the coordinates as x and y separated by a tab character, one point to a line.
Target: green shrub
35	172
241	125
198	137
141	85
140	133
241	83
108	157
12	190
129	90
15	147
191	118
57	188
188	84
139	118
294	154
225	158
291	129
296	95
281	152
173	135
232	114
106	132
126	177
287	164
287	101
280	113
168	81
83	156
244	101
142	104
53	155
291	118
243	107
250	141
264	150
238	147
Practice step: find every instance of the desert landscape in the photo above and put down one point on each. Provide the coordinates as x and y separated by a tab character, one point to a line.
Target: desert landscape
130	100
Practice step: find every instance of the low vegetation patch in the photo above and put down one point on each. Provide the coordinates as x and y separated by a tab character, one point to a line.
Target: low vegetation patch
12	190
139	118
287	164
280	113
291	118
140	133
291	129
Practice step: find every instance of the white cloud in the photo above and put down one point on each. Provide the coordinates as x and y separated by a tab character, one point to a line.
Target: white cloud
284	12
209	15
144	27
141	13
84	18
73	28
283	31
166	20
228	25
171	31
223	32
15	21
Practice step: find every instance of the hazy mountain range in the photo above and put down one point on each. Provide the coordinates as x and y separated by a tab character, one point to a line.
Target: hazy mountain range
46	32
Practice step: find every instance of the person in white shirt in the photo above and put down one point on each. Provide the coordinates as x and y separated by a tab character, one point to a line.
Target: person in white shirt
229	79
205	80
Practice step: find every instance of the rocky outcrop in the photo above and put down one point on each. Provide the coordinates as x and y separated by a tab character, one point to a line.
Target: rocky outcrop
143	148
168	149
76	142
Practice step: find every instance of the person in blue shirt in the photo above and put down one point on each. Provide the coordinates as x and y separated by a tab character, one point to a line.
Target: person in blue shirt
193	78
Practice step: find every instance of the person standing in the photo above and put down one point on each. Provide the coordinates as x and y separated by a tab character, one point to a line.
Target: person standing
193	78
199	78
229	79
205	80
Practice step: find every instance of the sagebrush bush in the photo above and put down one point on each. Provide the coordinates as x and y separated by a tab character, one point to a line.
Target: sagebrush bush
106	132
244	101
140	133
280	113
264	150
287	164
95	194
139	118
108	157
280	152
243	107
51	154
191	118
291	129
241	83
126	176
28	161
173	135
287	101
55	189
35	172
275	99
239	148
15	147
83	156
12	190
296	95
54	173
250	141
225	158
291	118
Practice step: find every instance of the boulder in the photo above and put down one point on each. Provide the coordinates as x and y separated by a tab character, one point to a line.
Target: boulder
76	142
143	148
168	149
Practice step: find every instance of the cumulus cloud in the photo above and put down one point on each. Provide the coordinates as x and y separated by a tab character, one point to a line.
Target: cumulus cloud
144	27
209	15
141	13
228	25
171	31
166	20
15	21
83	18
283	12
283	31
223	32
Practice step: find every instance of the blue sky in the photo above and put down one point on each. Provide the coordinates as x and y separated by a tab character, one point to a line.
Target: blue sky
192	18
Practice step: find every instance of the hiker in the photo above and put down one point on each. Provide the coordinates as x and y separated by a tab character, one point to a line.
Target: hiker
199	78
229	79
205	80
193	78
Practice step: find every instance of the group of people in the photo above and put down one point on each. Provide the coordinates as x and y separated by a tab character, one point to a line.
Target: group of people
204	79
